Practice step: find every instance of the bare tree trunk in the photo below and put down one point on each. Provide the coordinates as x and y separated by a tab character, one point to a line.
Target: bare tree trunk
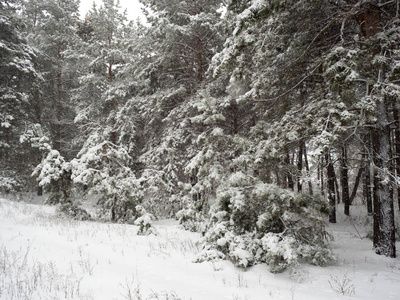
278	178
367	178
289	175
57	125
300	167
370	23
384	238
331	187
310	188
345	181
199	60
337	190
321	176
367	188
376	209
113	137
397	146
356	183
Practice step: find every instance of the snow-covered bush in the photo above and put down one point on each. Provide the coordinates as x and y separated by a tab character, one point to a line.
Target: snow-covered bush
72	210
190	218
103	168
264	223
8	184
54	173
144	221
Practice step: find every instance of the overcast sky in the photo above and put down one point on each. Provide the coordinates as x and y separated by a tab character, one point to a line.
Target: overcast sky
132	6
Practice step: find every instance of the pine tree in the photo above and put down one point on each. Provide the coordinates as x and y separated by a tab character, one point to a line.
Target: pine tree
51	29
177	49
104	163
373	57
16	78
307	81
184	39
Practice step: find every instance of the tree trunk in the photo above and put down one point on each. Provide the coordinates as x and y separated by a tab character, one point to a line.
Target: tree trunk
367	188
384	228
300	167
397	147
321	174
57	126
344	180
113	136
199	60
310	188
289	177
356	184
337	190
370	23
331	187
40	190
376	210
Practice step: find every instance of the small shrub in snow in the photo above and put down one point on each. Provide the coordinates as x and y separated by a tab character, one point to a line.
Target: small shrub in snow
190	218
54	173
266	224
8	184
73	211
144	221
342	286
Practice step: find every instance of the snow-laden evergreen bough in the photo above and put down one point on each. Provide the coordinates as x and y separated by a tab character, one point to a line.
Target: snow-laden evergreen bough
263	223
103	168
144	221
55	174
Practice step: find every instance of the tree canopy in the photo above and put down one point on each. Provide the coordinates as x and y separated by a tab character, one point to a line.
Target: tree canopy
230	111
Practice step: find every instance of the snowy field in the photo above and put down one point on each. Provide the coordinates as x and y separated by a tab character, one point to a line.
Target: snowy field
43	256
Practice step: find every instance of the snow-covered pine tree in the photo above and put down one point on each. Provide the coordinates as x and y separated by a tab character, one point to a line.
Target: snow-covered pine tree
104	163
185	36
16	78
379	29
51	29
253	222
362	69
290	74
180	41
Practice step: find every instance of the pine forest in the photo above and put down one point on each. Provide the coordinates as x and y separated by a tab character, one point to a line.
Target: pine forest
252	122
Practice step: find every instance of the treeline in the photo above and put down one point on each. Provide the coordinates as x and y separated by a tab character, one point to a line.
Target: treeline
207	102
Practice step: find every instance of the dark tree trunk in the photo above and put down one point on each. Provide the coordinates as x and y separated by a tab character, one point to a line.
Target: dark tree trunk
331	187
199	60
278	178
384	228
367	187
376	210
40	190
337	190
356	184
397	147
321	176
300	167
370	23
310	188
289	177
57	126
113	104
345	181
367	178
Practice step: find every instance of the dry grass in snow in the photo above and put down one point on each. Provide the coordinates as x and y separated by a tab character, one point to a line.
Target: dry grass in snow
44	256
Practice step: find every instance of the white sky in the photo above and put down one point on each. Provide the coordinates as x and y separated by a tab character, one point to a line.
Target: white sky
132	7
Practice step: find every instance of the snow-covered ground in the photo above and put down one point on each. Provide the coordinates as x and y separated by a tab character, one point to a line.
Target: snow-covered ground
43	256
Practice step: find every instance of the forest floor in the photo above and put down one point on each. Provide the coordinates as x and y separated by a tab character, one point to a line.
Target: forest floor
45	256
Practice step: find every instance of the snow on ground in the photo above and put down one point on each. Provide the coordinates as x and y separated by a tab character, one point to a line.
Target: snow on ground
43	256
